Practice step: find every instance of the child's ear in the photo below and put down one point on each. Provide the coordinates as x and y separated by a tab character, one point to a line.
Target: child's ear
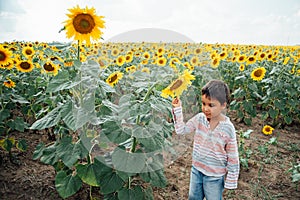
224	105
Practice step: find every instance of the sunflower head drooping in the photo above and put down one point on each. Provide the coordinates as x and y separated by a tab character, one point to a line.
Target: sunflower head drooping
177	87
84	24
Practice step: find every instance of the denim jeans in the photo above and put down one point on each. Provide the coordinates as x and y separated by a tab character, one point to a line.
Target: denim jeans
202	186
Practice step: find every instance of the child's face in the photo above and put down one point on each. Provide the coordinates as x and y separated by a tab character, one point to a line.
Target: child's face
212	108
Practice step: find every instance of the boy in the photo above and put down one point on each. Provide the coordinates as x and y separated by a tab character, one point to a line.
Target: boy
215	150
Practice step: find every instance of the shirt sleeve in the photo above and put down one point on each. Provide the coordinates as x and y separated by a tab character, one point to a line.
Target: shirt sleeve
233	165
181	127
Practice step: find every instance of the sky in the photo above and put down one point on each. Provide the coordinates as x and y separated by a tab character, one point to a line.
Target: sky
266	22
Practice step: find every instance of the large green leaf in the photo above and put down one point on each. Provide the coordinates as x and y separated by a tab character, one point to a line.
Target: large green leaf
135	193
128	162
67	185
49	120
49	155
92	173
113	131
110	182
61	82
68	116
68	152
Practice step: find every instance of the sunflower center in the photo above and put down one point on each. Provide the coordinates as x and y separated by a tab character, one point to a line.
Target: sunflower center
25	65
2	56
267	129
28	52
48	67
113	78
176	85
84	23
258	73
215	61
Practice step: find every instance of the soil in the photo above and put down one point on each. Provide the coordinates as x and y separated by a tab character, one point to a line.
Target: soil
267	177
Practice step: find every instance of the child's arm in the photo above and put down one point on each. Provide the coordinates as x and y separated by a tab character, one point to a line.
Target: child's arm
180	126
233	165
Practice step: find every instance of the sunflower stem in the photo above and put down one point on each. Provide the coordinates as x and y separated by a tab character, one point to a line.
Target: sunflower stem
149	92
78	50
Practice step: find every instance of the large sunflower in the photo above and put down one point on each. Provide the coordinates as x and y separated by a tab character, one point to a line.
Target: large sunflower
176	88
258	73
114	78
25	66
5	56
84	24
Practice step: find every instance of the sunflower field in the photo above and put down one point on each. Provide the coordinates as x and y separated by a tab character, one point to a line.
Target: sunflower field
107	106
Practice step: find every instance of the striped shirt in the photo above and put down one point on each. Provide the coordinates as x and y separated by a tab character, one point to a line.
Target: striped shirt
215	152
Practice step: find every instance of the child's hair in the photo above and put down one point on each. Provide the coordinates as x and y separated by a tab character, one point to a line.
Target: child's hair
217	89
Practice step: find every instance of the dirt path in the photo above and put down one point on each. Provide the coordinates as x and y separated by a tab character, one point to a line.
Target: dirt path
266	178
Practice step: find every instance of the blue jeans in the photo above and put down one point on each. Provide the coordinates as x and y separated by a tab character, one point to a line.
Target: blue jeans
202	186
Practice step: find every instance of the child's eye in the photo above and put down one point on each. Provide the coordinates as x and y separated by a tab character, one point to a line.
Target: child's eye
211	105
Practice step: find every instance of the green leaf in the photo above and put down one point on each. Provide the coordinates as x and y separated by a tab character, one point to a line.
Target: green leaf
49	155
68	152
247	133
38	152
61	82
49	120
113	132
18	124
135	193
273	113
6	144
67	115
110	182
288	119
128	162
21	145
4	114
92	173
19	99
67	185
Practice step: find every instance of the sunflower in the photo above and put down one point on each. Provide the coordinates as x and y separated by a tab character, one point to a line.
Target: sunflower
146	55
28	52
267	130
177	87
50	68
9	66
286	60
251	60
145	69
128	58
9	83
161	61
258	73
242	67
120	60
194	60
242	58
5	56
215	62
114	52
223	55
25	66
84	24
114	78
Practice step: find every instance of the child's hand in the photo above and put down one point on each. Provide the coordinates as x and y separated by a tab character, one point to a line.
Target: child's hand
176	102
